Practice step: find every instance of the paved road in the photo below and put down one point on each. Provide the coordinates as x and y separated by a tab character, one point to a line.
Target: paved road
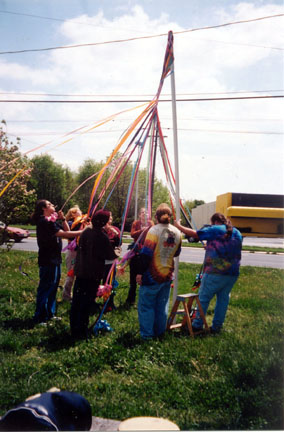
194	255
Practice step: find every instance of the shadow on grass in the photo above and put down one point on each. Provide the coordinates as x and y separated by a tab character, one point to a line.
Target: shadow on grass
57	340
18	324
129	340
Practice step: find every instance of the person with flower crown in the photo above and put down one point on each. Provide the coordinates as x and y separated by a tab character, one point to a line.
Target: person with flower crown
49	235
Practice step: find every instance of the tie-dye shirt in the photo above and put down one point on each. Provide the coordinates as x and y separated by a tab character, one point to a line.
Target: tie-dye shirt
162	244
223	255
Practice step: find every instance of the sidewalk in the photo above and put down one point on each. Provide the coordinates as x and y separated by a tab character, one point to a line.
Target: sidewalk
100	424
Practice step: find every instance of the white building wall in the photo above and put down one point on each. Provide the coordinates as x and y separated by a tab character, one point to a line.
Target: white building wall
201	215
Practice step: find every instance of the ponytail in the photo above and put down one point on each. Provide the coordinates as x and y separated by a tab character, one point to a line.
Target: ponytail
163	213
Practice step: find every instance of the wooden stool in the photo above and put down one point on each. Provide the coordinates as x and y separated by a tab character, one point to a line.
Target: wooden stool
147	423
187	301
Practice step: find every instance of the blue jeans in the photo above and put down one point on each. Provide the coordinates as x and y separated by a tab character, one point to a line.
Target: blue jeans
212	284
49	277
153	306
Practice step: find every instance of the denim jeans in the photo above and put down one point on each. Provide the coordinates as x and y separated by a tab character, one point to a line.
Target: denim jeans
153	306
49	277
212	284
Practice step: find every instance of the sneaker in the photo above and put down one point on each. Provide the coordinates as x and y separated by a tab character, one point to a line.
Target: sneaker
56	318
43	324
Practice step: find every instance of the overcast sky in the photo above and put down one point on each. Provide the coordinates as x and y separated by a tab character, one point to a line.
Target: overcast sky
224	146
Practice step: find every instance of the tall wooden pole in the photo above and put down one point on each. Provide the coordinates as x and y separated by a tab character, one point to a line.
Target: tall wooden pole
177	193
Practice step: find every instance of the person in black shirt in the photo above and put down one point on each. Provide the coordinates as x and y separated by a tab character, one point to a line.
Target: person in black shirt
94	249
49	234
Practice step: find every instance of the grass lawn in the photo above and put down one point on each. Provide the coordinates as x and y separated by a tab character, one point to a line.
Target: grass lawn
230	381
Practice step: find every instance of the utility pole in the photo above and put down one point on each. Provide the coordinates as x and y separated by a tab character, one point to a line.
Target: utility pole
175	138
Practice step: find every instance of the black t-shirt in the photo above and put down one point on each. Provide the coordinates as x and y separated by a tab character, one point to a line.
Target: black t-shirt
94	249
50	246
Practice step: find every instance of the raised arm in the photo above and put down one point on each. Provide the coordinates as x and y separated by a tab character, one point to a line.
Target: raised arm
188	231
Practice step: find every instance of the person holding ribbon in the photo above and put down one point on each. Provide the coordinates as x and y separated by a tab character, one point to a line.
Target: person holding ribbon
94	249
113	234
155	275
221	266
74	219
49	235
139	229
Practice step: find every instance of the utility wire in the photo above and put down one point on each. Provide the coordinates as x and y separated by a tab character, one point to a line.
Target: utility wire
99	132
141	100
197	119
142	37
135	95
95	25
69	20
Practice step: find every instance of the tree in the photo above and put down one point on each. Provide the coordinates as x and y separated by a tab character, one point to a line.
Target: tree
189	205
51	180
82	197
18	200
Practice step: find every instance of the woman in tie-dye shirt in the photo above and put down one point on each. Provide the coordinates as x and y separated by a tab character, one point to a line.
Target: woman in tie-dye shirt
221	266
156	263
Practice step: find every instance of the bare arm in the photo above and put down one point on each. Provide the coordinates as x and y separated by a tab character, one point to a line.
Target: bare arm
68	234
65	224
188	231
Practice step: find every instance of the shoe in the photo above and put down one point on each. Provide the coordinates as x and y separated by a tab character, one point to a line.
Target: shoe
129	304
215	331
56	318
197	329
43	324
66	297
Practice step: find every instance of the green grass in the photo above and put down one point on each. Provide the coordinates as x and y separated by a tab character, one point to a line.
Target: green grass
230	381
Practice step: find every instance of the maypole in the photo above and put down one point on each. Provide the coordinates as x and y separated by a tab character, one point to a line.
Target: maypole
174	115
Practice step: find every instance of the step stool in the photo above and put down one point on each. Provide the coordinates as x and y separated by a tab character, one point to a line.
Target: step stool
187	301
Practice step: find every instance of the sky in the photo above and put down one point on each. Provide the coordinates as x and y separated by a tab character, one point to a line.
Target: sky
223	145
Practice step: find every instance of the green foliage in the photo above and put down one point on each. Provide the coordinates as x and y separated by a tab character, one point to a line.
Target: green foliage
114	198
56	183
51	180
82	197
232	381
17	201
189	205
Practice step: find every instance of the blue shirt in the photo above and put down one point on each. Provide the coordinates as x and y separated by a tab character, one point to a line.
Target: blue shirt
223	255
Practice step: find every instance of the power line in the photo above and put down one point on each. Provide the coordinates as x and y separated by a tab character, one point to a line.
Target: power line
198	119
94	25
45	18
99	132
141	37
135	95
141	100
61	20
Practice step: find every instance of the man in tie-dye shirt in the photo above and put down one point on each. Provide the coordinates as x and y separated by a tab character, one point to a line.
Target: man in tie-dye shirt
221	266
162	244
